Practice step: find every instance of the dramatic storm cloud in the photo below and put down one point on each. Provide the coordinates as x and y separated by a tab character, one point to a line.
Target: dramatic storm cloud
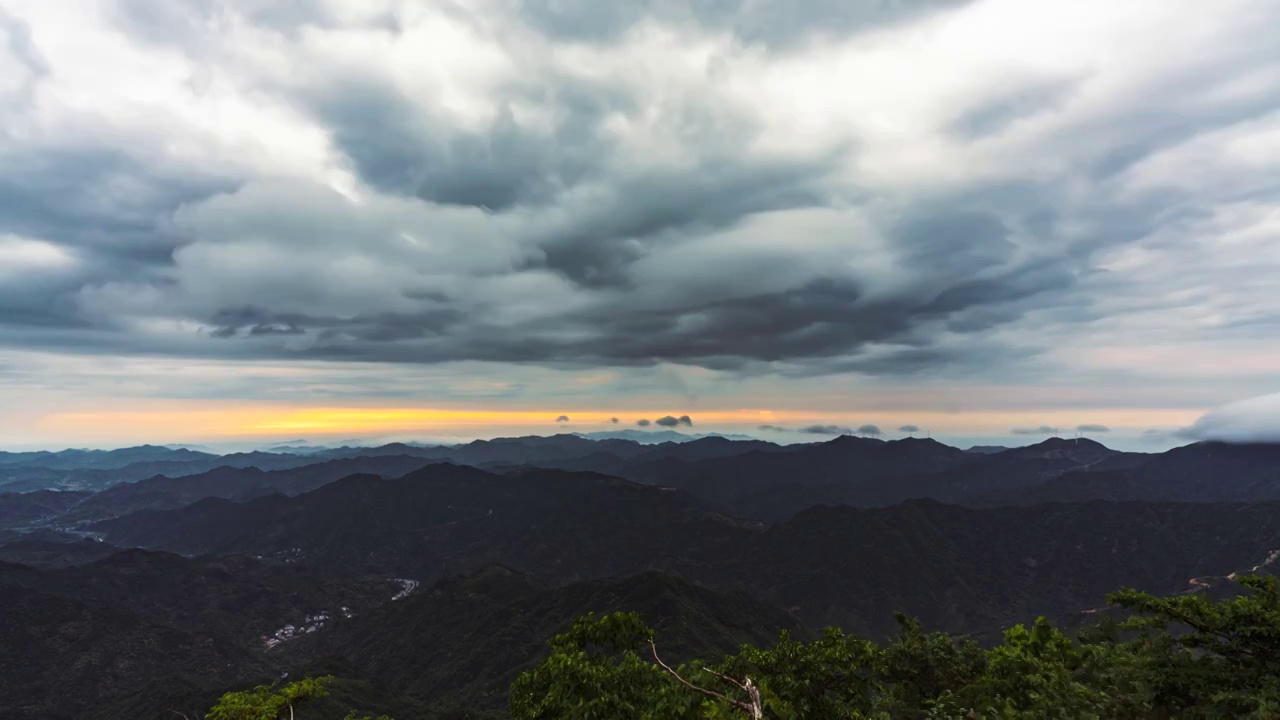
1000	205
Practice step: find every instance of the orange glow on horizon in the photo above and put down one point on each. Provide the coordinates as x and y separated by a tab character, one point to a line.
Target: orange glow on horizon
278	421
269	421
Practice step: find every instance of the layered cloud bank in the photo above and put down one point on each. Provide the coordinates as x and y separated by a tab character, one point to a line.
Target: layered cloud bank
699	196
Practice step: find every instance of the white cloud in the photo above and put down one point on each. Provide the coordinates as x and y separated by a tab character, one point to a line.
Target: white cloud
1253	420
23	258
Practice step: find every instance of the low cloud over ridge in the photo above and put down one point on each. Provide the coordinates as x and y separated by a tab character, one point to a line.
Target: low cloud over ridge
1042	430
826	430
1253	420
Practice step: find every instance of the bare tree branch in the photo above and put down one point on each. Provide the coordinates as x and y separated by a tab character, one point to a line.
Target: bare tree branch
752	708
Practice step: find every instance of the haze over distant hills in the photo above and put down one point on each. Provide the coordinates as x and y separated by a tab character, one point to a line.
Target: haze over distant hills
722	538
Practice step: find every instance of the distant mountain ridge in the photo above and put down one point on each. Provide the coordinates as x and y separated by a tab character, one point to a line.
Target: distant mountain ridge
748	478
1202	472
164	493
653	437
565	527
493	545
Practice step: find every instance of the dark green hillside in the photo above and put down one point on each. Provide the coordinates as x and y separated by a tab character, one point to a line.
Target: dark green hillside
463	641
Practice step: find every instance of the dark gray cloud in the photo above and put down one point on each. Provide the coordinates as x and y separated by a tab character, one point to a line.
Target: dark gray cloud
398	148
823	318
518	210
615	421
562	419
58	196
772	428
643	423
1042	430
276	329
672	421
54	195
909	429
826	430
820	323
1092	428
868	429
645	208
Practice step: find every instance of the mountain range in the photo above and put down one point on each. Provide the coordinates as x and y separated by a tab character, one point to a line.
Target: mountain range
159	592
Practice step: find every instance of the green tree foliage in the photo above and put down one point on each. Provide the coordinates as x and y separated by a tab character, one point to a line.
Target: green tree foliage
596	671
274	702
1184	656
269	702
1220	659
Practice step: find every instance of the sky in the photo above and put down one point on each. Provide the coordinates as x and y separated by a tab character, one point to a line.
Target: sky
988	219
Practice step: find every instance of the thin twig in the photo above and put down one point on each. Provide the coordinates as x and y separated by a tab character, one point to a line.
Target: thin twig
725	678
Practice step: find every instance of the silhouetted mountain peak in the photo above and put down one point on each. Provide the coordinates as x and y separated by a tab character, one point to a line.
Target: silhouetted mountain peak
710	441
1055	442
849	441
923	446
443	471
396	447
1067	448
922	442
